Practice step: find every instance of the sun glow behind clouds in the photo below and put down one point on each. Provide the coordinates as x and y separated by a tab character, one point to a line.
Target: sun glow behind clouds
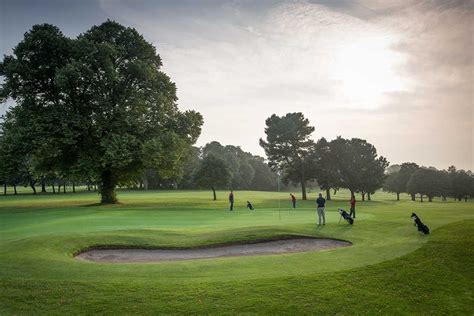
367	69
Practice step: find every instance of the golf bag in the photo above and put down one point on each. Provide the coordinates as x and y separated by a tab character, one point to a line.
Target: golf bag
419	224
250	206
346	216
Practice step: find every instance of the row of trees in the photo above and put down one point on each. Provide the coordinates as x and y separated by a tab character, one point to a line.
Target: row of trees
218	167
430	182
340	163
92	108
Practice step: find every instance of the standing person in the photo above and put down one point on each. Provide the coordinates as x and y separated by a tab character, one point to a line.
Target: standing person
353	206
231	200
321	203
293	200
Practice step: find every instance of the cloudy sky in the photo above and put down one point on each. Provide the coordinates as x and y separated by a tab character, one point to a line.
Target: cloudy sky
397	73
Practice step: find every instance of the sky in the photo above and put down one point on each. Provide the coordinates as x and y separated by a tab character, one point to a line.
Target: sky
399	74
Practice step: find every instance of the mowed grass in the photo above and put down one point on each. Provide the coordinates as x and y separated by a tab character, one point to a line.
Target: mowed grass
390	268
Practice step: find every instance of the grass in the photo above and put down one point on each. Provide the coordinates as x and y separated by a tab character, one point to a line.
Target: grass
390	268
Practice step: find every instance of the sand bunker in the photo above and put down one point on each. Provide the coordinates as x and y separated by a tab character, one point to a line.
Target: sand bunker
249	249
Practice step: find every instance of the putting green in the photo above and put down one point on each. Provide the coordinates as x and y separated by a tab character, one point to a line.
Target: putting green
40	236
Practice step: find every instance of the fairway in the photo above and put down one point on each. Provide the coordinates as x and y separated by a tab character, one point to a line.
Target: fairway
390	268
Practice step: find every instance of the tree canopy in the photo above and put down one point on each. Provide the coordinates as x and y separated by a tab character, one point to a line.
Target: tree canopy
358	166
213	173
98	105
289	148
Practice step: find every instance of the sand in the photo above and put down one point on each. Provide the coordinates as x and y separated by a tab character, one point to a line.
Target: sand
233	250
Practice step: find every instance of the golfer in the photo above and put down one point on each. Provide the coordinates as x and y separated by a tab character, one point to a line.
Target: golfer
293	200
320	203
353	207
231	200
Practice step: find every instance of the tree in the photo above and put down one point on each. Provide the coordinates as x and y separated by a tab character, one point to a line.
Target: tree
359	168
426	181
98	104
394	183
241	170
461	185
213	173
326	171
190	168
404	175
289	148
15	162
393	169
264	178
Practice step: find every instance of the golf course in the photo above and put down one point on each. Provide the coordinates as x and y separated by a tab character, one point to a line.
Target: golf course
390	268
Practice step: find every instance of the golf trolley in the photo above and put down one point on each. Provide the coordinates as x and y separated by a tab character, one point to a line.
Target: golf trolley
346	216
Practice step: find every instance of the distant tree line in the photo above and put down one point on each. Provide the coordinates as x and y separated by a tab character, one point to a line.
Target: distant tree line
429	182
215	166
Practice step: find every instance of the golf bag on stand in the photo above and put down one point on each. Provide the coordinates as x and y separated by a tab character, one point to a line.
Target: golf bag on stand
422	228
346	216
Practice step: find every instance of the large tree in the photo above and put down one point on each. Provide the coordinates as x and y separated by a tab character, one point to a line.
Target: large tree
98	104
289	147
213	173
359	167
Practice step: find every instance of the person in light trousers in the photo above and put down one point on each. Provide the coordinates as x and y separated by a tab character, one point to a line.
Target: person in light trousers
321	203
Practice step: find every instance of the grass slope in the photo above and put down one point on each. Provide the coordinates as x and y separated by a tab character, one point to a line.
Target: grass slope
390	269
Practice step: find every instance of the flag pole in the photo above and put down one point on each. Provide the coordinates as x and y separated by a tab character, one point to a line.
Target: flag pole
279	201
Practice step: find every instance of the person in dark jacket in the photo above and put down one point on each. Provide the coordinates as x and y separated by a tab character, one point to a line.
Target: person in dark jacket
321	204
231	200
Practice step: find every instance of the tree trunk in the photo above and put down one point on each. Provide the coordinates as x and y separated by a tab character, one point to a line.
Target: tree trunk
14	189
303	190
88	186
43	185
465	198
59	188
430	198
421	198
5	188
73	187
413	197
398	196
214	193
64	187
335	191
443	198
32	185
107	188
328	194
363	196
368	196
145	183
54	189
459	199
